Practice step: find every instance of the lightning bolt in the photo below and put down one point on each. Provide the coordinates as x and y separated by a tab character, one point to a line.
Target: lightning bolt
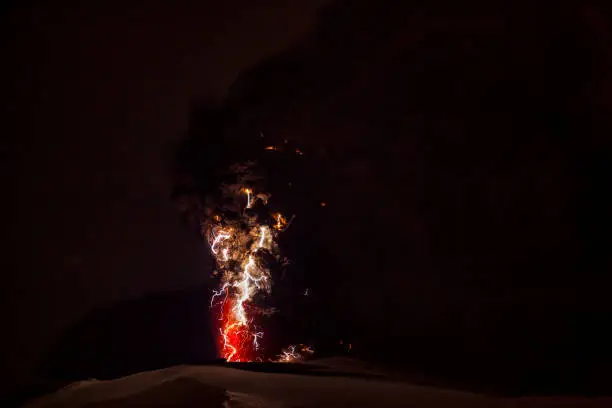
236	246
222	236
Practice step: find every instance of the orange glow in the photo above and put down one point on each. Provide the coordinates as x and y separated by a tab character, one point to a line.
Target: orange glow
294	354
235	336
241	248
281	222
248	193
237	249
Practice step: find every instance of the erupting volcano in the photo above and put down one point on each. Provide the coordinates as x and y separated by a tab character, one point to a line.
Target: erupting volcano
242	234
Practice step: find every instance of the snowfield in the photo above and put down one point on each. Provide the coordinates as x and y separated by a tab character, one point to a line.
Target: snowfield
220	386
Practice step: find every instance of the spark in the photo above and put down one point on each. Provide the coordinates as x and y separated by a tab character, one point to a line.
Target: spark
281	222
308	350
248	192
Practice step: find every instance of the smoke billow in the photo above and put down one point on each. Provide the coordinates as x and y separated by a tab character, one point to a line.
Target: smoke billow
450	145
242	222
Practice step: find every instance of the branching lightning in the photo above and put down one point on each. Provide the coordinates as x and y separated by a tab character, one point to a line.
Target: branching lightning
293	354
243	239
239	246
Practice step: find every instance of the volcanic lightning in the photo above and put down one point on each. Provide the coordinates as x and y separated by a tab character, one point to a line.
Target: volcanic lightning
293	354
242	245
242	234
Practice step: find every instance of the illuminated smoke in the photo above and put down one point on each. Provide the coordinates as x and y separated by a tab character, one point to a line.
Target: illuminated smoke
242	236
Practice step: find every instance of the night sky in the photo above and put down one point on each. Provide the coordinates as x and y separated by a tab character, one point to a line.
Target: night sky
96	96
461	149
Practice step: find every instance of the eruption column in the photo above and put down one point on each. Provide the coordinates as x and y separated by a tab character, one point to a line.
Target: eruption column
239	247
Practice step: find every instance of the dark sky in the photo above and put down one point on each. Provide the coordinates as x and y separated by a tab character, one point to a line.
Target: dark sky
96	96
462	150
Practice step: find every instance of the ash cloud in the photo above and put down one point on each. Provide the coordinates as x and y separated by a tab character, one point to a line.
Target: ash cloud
461	154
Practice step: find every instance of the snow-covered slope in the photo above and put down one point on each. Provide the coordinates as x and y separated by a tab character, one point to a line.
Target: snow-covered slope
219	386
